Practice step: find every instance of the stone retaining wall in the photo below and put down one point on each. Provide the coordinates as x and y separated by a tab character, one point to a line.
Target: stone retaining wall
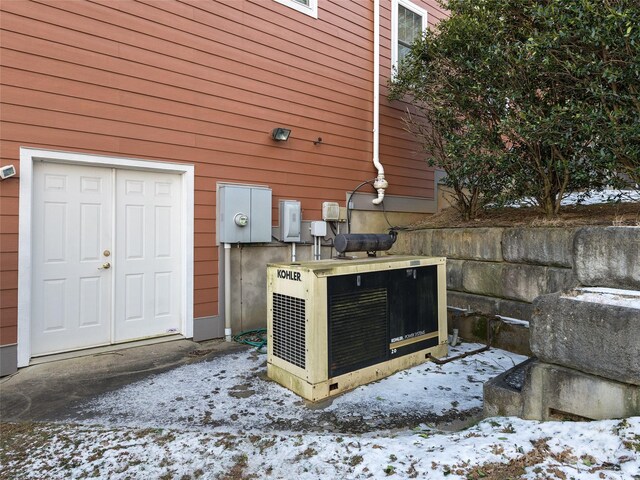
500	271
595	333
586	340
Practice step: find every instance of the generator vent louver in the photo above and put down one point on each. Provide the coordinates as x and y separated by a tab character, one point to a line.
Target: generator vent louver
358	330
289	329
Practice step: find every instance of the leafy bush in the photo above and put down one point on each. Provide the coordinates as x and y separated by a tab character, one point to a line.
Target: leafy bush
528	98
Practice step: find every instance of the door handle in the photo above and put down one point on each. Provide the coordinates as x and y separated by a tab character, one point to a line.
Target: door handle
105	266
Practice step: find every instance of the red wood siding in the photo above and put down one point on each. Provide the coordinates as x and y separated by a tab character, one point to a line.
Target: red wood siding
201	82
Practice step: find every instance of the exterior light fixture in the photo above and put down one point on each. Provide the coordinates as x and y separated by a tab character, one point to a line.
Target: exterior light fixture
280	134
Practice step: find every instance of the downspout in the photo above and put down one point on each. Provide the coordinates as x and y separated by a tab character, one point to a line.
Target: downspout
380	183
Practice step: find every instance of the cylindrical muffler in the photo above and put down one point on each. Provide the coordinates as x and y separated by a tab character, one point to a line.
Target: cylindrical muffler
363	242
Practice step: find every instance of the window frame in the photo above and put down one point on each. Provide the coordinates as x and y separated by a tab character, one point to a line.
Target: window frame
394	27
311	10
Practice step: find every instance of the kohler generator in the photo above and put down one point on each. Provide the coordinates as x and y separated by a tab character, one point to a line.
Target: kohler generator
336	324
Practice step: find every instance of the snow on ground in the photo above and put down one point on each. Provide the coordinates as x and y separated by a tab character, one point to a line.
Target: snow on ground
589	198
223	419
605	196
233	392
497	448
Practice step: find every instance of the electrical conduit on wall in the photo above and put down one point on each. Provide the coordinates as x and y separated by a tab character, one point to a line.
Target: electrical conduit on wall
227	292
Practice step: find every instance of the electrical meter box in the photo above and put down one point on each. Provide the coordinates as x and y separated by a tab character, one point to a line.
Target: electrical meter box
244	213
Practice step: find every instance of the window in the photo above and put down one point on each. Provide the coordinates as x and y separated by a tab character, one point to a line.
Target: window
408	21
308	7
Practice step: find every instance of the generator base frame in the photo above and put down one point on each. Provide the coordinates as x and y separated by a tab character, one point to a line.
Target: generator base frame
319	391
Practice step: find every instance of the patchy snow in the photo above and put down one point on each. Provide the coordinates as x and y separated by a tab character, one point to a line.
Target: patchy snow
592	450
233	392
455	386
589	198
605	196
223	419
608	296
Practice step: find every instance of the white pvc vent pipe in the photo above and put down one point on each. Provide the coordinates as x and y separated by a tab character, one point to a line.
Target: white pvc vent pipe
380	183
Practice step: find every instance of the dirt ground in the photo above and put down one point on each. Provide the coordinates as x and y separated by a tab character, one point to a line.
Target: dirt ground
617	214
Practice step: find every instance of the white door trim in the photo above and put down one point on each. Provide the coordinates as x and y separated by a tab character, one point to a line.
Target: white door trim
27	158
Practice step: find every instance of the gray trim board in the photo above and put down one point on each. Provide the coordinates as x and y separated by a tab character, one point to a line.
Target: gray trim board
206	328
439	176
8	359
393	203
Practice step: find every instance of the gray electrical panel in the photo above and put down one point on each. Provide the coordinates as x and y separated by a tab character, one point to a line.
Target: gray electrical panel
244	214
290	220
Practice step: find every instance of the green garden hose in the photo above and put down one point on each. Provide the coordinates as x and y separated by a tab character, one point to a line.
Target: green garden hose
256	338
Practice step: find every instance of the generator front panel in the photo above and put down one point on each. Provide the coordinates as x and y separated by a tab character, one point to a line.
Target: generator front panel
379	315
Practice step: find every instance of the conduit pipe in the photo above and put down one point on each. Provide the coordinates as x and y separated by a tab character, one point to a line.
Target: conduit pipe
227	292
462	355
317	247
380	183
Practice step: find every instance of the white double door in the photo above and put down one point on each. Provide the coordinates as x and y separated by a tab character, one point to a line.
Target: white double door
106	262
